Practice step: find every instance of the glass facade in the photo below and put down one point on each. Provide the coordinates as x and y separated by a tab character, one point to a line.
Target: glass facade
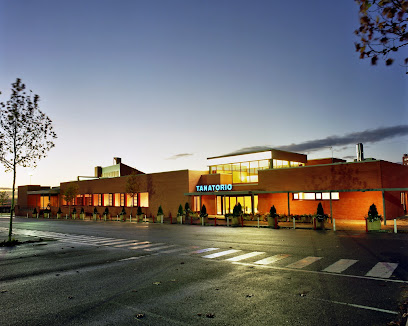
226	205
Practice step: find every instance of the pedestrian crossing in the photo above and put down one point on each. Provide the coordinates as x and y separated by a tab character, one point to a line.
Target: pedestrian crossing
381	270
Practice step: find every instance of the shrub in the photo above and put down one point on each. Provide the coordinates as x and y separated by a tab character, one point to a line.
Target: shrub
74	211
82	210
95	211
139	210
272	211
123	212
35	211
160	211
180	211
373	214
59	211
237	211
320	216
203	211
106	212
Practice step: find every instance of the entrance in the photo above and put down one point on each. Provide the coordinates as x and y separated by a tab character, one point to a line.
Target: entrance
225	204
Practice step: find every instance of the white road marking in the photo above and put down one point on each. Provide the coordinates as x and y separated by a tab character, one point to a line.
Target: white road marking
131	243
172	250
204	250
382	269
245	256
272	259
146	246
222	253
304	262
159	248
340	265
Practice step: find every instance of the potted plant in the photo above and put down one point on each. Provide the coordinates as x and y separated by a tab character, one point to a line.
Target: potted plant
123	215
273	218
160	214
59	213
319	218
82	214
35	214
95	214
74	213
139	214
373	220
180	213
236	214
47	213
106	213
187	210
203	214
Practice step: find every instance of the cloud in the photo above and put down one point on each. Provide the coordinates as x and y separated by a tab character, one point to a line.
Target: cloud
177	156
366	136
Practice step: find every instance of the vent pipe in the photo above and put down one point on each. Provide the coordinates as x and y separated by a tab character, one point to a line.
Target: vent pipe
360	152
117	160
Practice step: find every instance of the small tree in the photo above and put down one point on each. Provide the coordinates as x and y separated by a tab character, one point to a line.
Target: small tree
180	211
26	134
203	211
139	210
70	194
373	214
132	187
272	211
320	212
187	209
237	210
160	211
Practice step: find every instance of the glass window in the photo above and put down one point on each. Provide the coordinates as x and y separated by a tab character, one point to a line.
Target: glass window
107	199
116	201
122	200
326	196
295	196
318	196
144	199
129	200
335	195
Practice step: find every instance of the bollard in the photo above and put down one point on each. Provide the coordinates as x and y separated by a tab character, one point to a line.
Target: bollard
66	216
334	225
215	220
258	222
181	219
314	224
202	221
145	218
227	221
294	223
395	225
117	218
161	219
130	218
242	221
27	215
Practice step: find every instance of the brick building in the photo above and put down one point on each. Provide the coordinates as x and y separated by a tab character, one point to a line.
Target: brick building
256	180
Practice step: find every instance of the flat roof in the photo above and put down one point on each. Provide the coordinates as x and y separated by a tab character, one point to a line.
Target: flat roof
253	152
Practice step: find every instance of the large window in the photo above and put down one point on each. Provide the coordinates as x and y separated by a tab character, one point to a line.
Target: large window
129	200
144	199
107	199
226	205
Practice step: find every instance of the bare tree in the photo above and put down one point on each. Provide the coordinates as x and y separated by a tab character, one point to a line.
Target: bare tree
132	187
26	134
70	194
383	29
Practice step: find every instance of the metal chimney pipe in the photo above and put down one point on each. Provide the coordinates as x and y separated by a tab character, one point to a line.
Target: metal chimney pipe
360	152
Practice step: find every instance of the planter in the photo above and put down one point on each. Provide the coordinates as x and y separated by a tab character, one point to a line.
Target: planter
273	222
159	218
203	220
139	218
46	215
35	215
95	216
58	215
82	216
374	225
180	219
235	220
105	216
74	216
318	224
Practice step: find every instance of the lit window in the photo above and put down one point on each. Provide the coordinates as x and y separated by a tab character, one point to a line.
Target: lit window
144	199
318	196
335	195
326	196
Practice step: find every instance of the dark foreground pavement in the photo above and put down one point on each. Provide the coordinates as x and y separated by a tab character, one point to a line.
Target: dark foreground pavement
150	274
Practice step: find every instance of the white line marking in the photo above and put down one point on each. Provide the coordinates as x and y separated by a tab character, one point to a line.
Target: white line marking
130	258
245	256
340	265
172	250
204	250
146	246
382	269
159	248
356	306
319	272
272	259
134	243
222	253
304	262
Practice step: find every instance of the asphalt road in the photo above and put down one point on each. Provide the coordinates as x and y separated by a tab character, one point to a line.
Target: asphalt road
113	273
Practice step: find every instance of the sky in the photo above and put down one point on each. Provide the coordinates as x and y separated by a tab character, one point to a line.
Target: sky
166	84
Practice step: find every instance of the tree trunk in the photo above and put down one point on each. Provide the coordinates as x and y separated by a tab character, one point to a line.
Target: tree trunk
12	204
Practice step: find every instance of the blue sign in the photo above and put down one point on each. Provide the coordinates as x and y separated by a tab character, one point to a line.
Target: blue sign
214	187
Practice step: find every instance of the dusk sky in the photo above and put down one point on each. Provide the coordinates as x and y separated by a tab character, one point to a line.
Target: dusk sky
166	84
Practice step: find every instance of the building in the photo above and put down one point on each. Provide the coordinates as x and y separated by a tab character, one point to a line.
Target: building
256	180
